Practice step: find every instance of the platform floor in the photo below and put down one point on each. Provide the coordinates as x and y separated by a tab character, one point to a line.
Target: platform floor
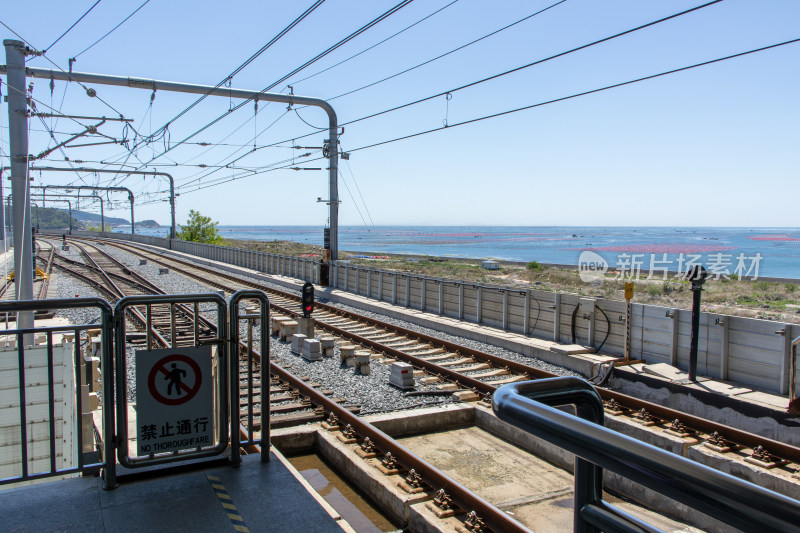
254	497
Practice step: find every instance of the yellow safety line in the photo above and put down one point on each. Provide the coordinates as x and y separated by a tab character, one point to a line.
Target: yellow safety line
227	503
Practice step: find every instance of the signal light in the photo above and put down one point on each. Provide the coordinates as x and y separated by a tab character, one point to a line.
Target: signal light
307	296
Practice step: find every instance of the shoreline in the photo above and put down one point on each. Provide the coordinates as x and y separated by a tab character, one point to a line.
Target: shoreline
763	298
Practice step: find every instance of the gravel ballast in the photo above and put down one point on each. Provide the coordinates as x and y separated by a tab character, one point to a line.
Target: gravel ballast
372	393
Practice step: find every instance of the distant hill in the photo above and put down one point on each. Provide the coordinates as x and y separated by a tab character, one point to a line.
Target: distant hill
94	218
49	218
53	218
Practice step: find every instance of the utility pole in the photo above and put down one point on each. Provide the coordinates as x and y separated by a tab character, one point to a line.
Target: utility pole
20	187
697	275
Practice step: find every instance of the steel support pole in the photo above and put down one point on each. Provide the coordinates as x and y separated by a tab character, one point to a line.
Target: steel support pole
20	187
172	233
695	338
151	84
102	216
60	199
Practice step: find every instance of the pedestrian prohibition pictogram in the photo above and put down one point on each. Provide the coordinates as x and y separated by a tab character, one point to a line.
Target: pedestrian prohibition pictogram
174	400
176	374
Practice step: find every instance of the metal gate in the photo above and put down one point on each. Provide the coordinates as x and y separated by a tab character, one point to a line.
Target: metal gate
186	380
65	399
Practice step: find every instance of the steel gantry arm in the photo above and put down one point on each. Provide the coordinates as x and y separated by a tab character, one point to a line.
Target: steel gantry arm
131	197
332	142
59	199
134	172
88	188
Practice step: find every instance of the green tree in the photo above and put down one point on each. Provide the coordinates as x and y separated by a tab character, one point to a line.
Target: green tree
199	228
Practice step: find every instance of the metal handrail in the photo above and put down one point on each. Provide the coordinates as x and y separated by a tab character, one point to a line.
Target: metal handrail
792	372
736	502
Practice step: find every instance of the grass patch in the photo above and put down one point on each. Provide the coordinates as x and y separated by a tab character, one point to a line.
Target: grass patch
734	296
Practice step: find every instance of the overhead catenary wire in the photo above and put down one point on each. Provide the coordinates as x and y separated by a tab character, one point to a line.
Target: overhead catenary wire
358	189
548	102
308	63
70	28
58	67
346	186
193	178
426	17
516	69
533	63
111	30
454	50
577	95
249	60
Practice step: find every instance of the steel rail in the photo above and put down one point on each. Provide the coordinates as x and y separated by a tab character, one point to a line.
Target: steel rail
737	436
494	518
48	269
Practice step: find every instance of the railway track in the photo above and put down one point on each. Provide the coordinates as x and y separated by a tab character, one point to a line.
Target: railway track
481	372
289	407
469	369
291	393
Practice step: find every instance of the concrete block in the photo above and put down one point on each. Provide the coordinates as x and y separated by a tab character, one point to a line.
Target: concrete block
361	362
254	310
402	375
275	323
358	355
346	351
311	349
328	346
311	357
306	327
297	343
288	328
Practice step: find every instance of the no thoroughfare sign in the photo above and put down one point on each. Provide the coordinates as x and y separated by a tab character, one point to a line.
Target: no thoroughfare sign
181	376
174	402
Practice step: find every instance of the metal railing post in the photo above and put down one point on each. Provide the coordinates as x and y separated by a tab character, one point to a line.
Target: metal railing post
792	370
461	300
233	350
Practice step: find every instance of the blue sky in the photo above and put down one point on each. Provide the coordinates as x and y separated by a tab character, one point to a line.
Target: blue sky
715	146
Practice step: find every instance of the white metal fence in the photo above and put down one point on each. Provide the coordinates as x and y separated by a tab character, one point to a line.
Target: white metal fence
751	352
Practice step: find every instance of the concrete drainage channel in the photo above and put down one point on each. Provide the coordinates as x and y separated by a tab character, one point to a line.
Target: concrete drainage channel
524	476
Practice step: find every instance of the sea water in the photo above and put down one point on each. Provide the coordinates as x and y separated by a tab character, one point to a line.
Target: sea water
765	252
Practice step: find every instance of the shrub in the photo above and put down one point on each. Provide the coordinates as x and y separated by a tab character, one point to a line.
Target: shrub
534	265
200	229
